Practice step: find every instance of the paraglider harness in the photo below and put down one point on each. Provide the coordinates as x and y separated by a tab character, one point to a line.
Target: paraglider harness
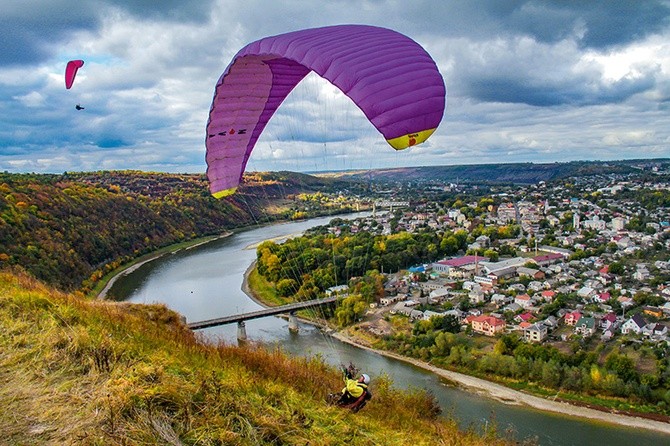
350	398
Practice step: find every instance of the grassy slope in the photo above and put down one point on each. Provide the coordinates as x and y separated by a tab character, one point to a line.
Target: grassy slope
93	372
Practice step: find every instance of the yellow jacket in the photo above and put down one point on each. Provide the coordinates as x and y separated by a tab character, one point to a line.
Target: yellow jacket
354	388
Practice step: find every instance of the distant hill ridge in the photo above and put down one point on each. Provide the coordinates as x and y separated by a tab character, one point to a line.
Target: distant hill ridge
512	173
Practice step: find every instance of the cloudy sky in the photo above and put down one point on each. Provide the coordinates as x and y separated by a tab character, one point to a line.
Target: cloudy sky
528	81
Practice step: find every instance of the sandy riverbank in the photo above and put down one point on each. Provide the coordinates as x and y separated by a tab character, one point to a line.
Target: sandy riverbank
497	391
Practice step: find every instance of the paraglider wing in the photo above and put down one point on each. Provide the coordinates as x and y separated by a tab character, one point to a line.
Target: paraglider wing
71	72
391	78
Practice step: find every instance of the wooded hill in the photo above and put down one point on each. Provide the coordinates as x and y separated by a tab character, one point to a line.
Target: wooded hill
510	173
69	230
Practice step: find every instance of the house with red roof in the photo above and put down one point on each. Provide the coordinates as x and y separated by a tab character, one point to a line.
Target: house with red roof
602	298
524	325
608	322
487	325
523	300
524	317
572	318
547	259
548	295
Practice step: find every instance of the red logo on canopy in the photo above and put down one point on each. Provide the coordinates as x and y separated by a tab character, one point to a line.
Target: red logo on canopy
412	138
229	132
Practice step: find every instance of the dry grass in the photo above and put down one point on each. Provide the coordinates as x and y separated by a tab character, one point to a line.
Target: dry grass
78	372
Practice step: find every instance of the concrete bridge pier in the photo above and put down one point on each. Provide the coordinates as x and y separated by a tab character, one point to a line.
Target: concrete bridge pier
292	323
241	331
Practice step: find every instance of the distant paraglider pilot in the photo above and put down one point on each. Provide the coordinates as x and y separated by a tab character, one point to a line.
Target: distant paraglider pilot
355	394
70	72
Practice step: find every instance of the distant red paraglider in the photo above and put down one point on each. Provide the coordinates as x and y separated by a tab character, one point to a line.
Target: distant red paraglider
71	72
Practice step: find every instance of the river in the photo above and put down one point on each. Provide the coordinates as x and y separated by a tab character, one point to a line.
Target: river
205	282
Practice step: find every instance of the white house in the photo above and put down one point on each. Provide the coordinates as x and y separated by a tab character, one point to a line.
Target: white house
585	292
633	325
535	333
339	290
500	299
439	294
388	300
477	296
523	300
655	330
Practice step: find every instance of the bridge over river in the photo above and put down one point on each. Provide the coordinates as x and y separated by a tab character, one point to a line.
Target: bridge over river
289	309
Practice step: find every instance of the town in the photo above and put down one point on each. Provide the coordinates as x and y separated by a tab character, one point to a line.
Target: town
584	259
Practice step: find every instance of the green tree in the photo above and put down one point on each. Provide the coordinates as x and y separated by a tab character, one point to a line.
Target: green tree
449	245
623	366
616	268
492	254
287	287
350	310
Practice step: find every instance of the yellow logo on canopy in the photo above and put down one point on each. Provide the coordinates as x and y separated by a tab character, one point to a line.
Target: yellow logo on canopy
411	139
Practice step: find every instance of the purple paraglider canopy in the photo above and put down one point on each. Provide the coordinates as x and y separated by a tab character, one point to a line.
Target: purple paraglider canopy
390	77
71	71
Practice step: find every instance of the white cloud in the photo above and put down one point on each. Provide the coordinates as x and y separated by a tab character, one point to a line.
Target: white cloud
32	99
542	82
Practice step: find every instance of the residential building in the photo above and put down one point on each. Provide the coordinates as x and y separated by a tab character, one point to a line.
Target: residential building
487	325
572	318
655	330
535	333
586	326
523	300
530	272
608	321
634	325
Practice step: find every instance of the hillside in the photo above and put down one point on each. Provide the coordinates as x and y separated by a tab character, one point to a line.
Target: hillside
511	173
71	229
83	372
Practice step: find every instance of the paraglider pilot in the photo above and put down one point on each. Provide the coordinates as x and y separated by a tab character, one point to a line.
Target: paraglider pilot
355	394
79	107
